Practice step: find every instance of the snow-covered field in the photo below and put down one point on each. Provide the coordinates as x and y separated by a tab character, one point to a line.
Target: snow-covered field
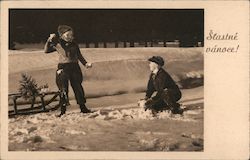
113	86
108	129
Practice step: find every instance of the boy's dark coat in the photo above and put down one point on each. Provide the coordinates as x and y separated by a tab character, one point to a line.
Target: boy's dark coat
161	82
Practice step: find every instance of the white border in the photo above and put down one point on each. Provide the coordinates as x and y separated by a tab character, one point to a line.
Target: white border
226	137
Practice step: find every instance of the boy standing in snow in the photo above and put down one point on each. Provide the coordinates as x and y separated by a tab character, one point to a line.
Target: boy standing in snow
167	92
68	67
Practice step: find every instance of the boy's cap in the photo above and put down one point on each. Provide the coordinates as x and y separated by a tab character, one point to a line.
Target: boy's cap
63	28
157	59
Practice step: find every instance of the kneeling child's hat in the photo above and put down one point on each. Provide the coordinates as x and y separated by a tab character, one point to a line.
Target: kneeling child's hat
157	59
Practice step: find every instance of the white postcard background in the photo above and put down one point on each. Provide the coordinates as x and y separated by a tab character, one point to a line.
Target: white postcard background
226	89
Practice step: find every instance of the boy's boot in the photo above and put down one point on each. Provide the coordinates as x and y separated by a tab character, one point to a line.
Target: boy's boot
84	109
176	109
63	103
63	110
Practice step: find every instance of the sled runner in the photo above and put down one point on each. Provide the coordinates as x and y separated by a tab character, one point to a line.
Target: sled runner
44	105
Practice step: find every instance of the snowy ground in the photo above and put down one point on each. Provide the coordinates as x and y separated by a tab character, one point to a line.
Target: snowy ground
108	129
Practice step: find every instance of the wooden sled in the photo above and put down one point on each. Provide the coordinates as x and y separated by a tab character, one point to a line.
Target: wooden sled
42	106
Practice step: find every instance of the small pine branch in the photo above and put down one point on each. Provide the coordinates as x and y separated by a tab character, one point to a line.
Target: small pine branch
28	87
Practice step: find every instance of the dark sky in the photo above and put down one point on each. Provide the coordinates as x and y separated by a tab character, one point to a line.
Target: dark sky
94	25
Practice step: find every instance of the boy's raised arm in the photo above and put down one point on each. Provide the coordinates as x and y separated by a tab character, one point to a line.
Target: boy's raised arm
49	46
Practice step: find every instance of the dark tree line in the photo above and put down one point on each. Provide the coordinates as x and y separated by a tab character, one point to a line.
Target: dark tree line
108	25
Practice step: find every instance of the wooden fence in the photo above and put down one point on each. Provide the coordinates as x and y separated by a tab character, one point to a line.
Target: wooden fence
129	44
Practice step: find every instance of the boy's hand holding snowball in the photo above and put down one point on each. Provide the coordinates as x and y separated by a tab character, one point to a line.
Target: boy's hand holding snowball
142	103
88	65
51	36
